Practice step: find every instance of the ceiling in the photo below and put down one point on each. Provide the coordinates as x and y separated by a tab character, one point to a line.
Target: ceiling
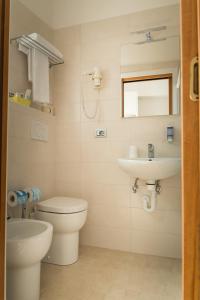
64	13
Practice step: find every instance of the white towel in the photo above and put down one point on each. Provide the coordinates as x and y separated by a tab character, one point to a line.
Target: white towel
40	76
30	72
28	52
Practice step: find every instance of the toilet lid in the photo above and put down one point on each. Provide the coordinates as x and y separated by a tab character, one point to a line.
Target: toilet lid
63	205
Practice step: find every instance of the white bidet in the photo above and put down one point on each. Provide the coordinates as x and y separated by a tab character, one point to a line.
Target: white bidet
28	241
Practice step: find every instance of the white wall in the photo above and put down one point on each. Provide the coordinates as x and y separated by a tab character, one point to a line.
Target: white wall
30	162
87	167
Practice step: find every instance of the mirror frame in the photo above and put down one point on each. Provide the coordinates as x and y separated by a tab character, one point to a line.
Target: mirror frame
146	78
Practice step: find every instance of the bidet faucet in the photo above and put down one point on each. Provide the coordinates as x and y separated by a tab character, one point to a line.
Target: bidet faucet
150	151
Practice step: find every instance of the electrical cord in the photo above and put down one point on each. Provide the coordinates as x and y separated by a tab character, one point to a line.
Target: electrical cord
87	115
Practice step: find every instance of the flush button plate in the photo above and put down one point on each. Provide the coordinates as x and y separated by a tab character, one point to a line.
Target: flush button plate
101	132
39	131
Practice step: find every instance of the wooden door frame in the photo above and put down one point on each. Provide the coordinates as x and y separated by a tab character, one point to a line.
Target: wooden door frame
4	53
190	155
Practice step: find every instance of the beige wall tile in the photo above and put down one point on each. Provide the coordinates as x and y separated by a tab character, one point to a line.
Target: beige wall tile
156	243
107	173
106	237
103	184
30	162
158	222
68	111
68	189
174	181
67	131
23	175
111	217
103	150
68	152
68	172
154	129
106	194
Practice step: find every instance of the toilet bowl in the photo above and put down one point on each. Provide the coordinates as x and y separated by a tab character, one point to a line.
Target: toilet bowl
27	243
67	215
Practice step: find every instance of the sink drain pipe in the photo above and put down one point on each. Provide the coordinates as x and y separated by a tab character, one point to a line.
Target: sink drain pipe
150	201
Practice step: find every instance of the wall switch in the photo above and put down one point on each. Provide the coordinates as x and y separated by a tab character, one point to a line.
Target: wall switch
101	132
39	131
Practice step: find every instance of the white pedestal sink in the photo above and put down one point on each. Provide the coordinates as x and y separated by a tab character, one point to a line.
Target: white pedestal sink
150	169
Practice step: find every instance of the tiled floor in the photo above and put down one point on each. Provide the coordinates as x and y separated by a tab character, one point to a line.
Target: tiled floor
102	274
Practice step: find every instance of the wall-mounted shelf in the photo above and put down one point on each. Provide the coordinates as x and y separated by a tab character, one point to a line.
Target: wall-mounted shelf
33	41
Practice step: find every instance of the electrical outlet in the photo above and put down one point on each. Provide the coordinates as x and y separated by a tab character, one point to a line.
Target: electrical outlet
101	132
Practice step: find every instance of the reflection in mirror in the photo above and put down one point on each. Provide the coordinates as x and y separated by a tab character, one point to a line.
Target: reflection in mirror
150	72
147	95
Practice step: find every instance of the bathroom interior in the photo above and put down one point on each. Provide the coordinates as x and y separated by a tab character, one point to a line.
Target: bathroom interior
94	189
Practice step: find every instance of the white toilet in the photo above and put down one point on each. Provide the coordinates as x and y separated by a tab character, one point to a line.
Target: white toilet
67	215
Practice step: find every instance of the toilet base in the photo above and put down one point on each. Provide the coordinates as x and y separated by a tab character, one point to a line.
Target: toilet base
23	283
64	249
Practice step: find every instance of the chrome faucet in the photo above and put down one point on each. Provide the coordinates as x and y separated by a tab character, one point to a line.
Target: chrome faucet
150	151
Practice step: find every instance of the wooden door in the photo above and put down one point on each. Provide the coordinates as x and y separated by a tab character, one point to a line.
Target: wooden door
4	38
197	271
190	151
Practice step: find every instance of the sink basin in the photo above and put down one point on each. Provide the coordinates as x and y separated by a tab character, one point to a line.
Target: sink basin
150	169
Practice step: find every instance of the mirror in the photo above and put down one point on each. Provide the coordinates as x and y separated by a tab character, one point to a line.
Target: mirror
147	95
150	72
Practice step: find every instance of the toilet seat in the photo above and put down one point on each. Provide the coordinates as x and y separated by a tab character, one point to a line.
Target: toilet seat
63	205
